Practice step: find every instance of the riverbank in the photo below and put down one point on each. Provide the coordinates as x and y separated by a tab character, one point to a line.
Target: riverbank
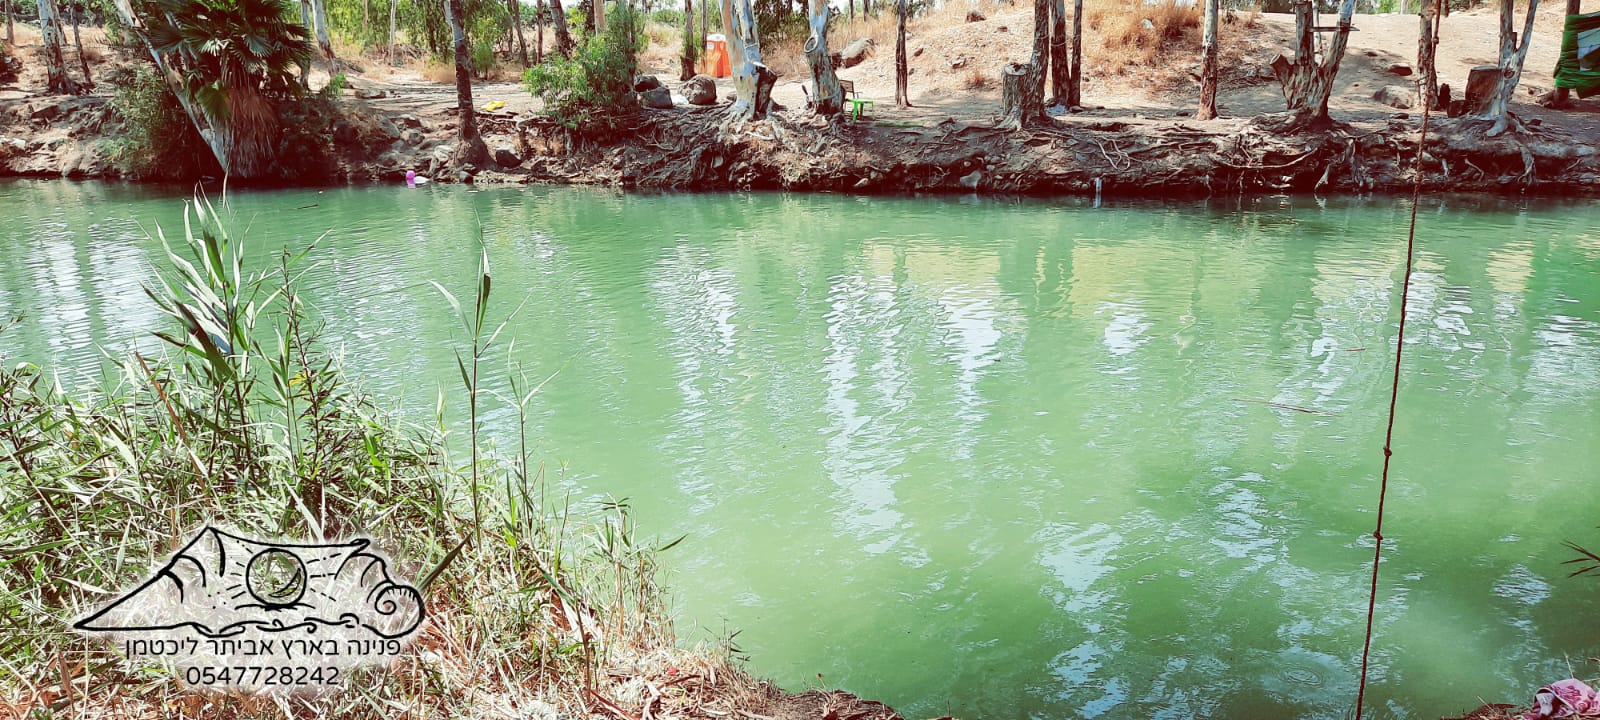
696	149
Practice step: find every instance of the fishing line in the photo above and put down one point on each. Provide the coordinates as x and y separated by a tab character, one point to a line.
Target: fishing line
1394	387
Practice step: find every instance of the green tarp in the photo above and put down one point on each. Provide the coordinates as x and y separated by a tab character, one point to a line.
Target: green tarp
1579	67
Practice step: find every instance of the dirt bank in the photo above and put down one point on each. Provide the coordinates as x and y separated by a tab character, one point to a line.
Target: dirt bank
696	149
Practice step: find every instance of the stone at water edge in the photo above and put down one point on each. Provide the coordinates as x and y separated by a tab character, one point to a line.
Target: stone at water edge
970	180
855	53
1401	69
506	158
701	90
645	83
1396	96
658	98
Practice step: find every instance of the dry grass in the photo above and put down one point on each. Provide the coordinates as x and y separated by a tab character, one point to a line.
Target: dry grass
976	79
1137	36
552	608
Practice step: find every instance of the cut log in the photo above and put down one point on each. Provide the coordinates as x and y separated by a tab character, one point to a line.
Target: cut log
1482	83
1021	95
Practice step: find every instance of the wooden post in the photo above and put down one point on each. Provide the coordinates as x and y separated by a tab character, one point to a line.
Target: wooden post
1208	64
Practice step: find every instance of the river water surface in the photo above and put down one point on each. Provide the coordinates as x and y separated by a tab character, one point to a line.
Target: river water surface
985	458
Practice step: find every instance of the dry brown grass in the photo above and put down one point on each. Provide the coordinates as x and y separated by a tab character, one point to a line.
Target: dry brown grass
1138	35
976	79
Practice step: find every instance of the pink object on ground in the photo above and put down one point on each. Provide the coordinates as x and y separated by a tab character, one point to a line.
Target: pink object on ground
1563	699
411	178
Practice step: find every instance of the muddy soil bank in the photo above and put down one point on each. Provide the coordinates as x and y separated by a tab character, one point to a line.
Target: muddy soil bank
697	149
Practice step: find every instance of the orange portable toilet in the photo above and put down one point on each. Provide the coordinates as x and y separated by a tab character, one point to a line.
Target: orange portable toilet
717	56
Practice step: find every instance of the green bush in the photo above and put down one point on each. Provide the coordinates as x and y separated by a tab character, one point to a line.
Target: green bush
593	90
158	141
668	16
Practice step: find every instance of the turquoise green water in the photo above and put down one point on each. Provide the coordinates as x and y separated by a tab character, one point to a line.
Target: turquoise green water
995	459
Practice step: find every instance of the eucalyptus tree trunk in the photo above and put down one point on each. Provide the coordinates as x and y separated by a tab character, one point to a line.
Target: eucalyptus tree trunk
752	79
686	61
1208	64
469	144
538	23
598	14
564	44
59	82
11	32
1060	74
77	42
1427	49
902	94
1512	53
1307	83
1075	71
214	133
1022	89
319	9
394	11
827	95
516	22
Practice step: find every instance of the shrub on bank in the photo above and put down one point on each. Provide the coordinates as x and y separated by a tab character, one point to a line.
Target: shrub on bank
593	90
157	140
525	606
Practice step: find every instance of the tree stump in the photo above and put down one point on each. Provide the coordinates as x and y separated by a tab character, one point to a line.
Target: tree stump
1483	82
761	100
1021	95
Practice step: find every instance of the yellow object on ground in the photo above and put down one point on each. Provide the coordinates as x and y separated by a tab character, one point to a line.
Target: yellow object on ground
493	105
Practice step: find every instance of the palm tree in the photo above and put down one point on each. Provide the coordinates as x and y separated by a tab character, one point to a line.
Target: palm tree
233	58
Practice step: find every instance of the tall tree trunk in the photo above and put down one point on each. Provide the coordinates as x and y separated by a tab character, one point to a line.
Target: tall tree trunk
1075	72
1306	82
366	19
1208	64
538	23
704	12
213	133
752	79
1060	73
564	44
394	13
469	145
1427	49
77	42
319	10
59	82
852	9
11	32
826	93
516	22
1512	53
1022	90
902	94
690	49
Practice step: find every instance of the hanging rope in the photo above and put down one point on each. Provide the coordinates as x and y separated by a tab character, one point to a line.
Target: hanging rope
1394	387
